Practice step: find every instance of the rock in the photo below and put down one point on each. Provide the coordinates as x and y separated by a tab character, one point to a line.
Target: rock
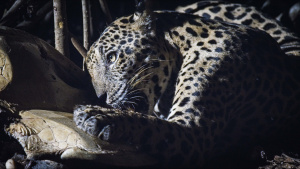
10	164
34	75
50	133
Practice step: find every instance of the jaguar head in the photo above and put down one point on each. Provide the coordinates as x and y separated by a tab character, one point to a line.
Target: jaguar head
130	64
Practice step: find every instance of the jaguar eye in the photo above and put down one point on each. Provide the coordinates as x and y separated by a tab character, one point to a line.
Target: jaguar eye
111	57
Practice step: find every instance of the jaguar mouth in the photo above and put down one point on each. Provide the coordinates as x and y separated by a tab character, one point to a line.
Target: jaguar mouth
102	101
136	101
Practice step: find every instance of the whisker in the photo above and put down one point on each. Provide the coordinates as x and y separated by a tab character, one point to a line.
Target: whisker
162	60
129	102
138	73
137	97
134	91
142	67
141	79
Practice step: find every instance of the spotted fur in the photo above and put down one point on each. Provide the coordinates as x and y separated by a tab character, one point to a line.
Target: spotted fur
184	88
246	15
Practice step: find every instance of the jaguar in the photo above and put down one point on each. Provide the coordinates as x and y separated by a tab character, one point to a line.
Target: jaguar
185	88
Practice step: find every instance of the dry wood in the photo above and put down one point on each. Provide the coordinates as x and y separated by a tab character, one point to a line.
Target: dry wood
91	22
106	11
86	23
61	27
40	14
78	45
11	13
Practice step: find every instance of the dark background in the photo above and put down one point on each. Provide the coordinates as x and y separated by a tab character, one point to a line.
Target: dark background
43	27
28	18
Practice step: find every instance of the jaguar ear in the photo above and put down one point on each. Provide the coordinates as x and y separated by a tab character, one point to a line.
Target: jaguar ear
144	17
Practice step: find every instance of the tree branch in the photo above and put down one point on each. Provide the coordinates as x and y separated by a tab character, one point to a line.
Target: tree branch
12	12
78	45
86	23
40	14
61	27
106	11
79	48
